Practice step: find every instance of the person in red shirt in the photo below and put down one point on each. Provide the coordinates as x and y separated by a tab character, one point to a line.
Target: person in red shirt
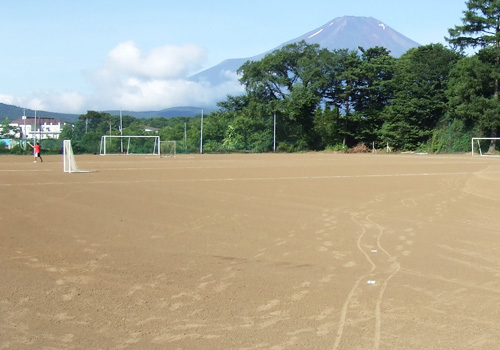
37	151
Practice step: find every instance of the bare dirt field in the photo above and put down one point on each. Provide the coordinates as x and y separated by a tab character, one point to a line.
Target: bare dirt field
271	251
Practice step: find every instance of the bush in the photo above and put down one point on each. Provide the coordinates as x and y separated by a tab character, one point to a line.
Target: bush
51	146
89	143
18	150
284	148
336	148
211	146
451	138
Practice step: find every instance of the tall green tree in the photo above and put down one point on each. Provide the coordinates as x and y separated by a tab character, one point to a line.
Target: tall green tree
343	82
481	25
67	132
326	126
244	122
419	103
92	121
290	81
481	29
7	131
374	90
471	93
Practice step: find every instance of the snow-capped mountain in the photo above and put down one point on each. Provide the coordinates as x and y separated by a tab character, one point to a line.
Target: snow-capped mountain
347	32
351	32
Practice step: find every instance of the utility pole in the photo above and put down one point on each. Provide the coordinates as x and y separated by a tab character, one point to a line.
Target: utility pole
201	133
274	132
24	130
185	138
121	133
34	130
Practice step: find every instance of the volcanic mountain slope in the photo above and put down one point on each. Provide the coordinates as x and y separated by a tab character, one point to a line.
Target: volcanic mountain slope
347	32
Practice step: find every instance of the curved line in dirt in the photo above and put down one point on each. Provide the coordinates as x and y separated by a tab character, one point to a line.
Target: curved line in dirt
343	313
378	313
395	265
358	245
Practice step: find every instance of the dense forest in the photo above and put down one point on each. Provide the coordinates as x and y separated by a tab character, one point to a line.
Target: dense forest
302	97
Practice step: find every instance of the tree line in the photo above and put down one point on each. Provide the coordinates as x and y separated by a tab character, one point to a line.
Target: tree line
302	97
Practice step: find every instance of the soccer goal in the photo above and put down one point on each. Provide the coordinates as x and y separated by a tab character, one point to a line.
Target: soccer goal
167	149
481	146
69	162
140	144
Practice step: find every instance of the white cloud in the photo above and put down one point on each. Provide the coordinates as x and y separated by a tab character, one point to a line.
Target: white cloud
135	80
159	79
139	95
71	102
165	62
35	103
9	100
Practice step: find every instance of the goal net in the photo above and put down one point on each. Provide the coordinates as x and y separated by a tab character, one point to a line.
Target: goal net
69	162
141	144
481	146
167	149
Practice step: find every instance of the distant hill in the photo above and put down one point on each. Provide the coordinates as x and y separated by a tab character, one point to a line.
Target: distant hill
166	113
11	112
347	32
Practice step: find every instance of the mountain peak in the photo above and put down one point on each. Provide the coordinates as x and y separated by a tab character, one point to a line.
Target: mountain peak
348	32
351	32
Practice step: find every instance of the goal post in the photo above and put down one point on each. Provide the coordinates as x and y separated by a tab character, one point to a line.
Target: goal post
128	145
481	145
69	162
168	149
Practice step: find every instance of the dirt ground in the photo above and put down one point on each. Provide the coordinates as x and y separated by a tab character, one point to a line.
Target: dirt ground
271	251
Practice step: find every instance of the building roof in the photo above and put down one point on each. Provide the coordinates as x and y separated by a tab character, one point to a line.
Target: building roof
31	121
150	128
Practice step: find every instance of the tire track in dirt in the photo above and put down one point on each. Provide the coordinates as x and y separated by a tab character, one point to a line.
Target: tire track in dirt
382	265
396	267
382	268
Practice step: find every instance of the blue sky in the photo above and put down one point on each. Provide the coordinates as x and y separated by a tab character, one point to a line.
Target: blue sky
74	56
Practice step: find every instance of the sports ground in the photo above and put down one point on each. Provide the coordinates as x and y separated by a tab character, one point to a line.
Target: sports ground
251	251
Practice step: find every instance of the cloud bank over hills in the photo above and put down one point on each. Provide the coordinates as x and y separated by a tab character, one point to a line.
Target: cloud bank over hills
136	80
132	79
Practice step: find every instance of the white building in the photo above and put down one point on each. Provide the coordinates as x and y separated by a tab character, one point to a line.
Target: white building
45	128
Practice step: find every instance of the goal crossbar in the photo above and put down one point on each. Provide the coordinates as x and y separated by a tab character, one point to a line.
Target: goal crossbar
130	144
